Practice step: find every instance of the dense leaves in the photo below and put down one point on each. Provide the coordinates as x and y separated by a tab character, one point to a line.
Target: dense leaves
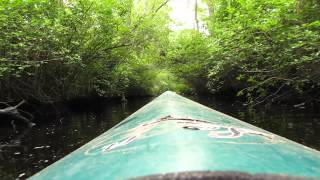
55	50
259	50
264	50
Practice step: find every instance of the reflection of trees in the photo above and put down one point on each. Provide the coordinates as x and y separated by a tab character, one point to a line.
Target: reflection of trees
15	142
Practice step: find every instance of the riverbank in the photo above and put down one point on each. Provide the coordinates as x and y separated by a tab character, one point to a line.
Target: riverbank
43	111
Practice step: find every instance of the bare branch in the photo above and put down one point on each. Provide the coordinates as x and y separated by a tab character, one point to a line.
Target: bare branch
22	102
5	103
267	80
28	61
161	6
259	71
117	46
271	95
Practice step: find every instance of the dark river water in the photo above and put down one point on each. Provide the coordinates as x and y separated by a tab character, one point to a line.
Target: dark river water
29	151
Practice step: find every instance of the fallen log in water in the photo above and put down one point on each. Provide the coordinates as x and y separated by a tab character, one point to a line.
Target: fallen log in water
13	113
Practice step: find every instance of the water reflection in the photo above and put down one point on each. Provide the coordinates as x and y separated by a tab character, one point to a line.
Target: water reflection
36	148
300	125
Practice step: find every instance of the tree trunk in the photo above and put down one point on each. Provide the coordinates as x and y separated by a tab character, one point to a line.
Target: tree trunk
196	14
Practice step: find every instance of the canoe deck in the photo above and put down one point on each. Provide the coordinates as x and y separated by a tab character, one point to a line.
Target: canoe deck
175	134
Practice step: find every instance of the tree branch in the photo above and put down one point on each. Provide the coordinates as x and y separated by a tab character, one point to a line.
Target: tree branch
22	102
28	61
161	6
271	95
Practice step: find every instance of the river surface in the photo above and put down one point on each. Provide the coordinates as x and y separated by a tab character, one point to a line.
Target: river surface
27	152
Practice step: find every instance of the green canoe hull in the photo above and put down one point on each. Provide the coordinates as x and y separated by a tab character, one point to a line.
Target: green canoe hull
175	134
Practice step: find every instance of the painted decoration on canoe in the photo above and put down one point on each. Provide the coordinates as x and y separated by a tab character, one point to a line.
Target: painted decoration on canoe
214	131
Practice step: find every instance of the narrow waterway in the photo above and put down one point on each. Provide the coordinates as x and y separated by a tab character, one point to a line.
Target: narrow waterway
29	151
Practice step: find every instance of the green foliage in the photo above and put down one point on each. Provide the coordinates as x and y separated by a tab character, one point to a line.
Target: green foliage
262	50
152	80
266	50
55	50
188	57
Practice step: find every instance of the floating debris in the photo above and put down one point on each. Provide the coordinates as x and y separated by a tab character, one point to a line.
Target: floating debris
21	175
41	147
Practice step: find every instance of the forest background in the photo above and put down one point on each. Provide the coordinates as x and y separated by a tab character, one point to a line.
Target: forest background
257	51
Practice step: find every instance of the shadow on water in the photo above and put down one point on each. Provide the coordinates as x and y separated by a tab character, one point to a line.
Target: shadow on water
300	125
52	139
31	150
